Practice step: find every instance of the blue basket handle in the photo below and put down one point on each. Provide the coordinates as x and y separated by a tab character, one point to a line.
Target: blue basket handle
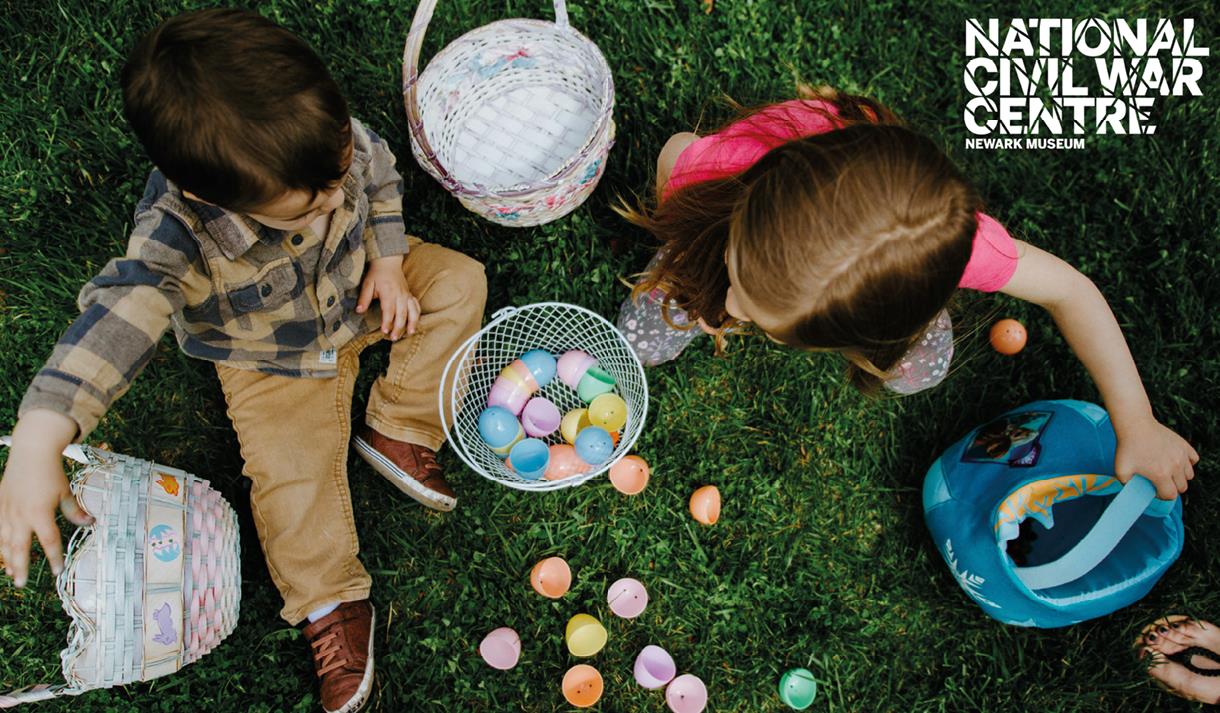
1136	498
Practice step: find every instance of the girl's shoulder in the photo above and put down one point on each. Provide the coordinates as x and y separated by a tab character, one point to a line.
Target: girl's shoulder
739	145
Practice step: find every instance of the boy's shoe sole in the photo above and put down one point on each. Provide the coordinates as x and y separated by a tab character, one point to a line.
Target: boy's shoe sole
402	480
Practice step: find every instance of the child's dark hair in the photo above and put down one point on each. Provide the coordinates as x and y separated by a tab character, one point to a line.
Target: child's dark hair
236	109
859	236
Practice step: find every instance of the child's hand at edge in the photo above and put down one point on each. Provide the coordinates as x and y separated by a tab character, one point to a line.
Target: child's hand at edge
1148	448
33	487
399	308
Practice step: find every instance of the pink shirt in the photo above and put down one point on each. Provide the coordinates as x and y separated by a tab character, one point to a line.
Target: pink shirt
735	149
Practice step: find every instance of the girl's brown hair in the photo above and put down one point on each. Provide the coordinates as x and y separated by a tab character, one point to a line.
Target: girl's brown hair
854	239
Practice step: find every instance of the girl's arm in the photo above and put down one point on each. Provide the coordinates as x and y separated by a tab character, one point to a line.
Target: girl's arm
1144	445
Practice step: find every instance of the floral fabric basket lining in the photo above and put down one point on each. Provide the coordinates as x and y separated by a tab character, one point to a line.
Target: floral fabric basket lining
514	118
152	585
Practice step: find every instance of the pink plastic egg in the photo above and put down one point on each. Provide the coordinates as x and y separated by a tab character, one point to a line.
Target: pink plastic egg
572	367
686	694
564	463
654	667
540	417
501	648
627	598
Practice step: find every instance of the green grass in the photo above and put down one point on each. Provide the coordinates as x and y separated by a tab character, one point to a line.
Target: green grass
821	558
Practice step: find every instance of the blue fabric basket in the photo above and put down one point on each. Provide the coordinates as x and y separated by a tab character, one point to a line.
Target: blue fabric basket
1035	527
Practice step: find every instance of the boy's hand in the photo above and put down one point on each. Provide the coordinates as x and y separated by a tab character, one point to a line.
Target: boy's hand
385	282
1150	449
34	486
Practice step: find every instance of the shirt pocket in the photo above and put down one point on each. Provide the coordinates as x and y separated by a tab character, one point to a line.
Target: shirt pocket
275	284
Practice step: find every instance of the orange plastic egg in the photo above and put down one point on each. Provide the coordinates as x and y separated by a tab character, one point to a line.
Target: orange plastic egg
630	475
1008	336
551	577
582	685
564	463
705	504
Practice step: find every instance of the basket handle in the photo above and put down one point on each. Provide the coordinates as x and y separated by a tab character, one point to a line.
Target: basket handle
32	694
410	82
1138	497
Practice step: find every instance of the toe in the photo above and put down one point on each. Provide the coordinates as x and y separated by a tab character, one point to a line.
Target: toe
1181	682
1204	634
1166	647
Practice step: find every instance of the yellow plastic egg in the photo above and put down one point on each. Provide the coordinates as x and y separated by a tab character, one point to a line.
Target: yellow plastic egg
705	505
585	635
551	577
608	411
573	422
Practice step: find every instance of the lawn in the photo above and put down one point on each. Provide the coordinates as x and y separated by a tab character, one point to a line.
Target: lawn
821	558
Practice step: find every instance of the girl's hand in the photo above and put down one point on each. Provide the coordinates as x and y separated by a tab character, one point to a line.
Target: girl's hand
399	308
33	488
1148	448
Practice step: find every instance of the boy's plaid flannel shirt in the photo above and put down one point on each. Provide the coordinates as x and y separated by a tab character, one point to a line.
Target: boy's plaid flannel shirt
235	291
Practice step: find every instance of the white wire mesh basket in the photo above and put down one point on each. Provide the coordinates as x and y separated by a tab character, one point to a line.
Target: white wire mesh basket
555	327
514	118
152	585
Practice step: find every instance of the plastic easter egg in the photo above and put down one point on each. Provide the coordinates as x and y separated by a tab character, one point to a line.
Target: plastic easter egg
608	411
627	597
540	417
705	505
564	463
654	667
686	694
551	577
582	685
573	423
529	458
630	475
572	367
501	648
541	365
594	383
499	429
509	394
518	372
585	635
1008	336
594	445
797	688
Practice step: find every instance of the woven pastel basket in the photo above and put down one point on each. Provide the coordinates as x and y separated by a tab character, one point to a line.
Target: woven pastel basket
555	327
514	118
152	585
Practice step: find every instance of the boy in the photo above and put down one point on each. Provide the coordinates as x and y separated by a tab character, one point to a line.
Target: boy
271	224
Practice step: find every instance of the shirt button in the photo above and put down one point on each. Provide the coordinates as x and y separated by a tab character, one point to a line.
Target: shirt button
266	290
330	302
297	239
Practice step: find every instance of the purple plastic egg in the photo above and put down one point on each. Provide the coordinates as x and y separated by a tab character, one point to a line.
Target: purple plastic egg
654	667
540	417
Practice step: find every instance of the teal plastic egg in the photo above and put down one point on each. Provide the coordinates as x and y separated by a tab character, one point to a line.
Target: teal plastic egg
797	688
594	383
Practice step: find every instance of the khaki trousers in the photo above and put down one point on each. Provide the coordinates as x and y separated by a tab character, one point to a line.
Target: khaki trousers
294	433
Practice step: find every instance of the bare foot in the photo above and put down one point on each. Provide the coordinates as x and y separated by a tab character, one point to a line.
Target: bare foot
1171	636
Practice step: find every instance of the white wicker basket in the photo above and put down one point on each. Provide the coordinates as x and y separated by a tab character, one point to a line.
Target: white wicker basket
514	118
152	585
555	327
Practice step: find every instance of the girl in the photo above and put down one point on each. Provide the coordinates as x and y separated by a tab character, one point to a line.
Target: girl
830	226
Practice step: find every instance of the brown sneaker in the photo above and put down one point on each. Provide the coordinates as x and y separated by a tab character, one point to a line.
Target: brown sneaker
411	468
342	643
